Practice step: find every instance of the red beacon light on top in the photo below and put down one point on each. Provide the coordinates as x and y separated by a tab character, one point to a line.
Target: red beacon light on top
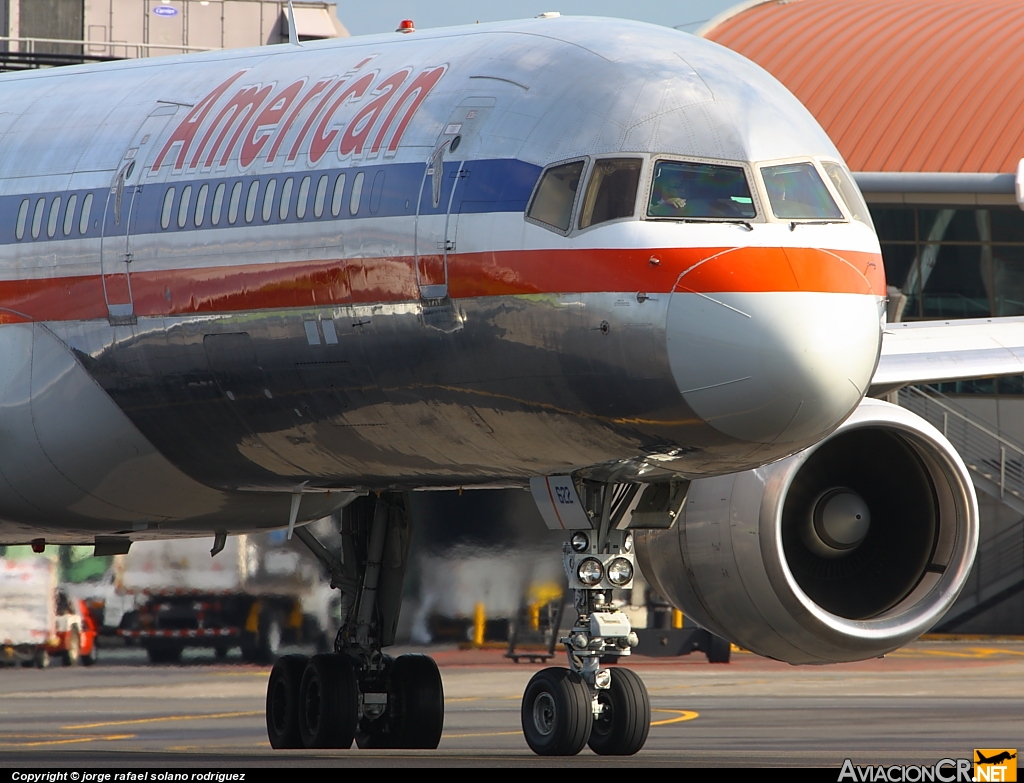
406	26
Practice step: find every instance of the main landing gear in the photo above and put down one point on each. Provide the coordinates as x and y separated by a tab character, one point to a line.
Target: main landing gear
587	704
357	692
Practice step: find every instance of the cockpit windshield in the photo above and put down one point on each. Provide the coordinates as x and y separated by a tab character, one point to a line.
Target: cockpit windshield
797	192
700	190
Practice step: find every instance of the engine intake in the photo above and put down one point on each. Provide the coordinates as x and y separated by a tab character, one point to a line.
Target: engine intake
845	551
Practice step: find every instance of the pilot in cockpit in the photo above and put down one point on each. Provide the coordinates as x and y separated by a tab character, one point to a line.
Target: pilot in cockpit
668	197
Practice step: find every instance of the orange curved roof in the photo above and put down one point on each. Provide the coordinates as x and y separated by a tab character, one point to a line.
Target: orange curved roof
899	85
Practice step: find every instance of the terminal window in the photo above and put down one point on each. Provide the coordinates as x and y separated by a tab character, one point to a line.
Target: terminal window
956	262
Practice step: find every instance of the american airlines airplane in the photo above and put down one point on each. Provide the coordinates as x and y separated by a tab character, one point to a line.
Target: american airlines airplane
606	262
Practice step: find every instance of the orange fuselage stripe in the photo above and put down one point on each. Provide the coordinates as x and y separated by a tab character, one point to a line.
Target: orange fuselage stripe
254	287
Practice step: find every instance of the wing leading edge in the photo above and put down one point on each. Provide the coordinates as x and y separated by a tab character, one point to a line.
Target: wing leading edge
932	351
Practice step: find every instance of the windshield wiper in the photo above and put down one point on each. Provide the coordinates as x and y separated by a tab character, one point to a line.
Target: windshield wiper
745	223
793	224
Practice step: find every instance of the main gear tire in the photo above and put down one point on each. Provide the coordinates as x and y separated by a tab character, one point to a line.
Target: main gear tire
328	702
419	701
283	701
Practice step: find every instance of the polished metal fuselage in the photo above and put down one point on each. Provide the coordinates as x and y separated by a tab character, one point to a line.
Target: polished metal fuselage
163	375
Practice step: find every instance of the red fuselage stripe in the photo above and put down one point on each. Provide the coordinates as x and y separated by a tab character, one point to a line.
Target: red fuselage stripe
254	287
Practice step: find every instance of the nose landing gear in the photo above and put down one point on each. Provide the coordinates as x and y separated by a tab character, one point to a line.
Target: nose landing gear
357	692
565	709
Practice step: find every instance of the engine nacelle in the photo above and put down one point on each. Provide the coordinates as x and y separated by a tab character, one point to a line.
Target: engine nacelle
845	551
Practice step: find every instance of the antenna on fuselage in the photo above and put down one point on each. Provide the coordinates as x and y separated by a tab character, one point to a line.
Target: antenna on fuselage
293	34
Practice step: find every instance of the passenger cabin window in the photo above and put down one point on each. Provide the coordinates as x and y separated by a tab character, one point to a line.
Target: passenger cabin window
19	230
339	190
83	222
843	181
218	203
236	197
552	203
69	214
186	198
165	212
321	194
268	200
797	193
611	193
303	199
37	217
286	198
700	190
250	201
357	194
201	197
51	221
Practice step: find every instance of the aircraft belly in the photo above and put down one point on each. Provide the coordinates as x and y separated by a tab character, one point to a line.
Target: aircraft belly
70	458
453	392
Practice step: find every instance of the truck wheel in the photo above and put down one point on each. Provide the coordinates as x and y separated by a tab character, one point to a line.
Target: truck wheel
719	650
73	653
269	645
42	659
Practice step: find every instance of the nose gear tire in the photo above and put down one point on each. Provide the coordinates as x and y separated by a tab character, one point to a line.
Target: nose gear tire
283	701
557	714
622	727
328	702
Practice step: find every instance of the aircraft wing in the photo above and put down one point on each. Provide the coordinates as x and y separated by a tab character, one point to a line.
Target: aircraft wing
932	351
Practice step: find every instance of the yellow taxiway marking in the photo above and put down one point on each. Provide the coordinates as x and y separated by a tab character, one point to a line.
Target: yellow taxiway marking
166	718
970	652
482	734
681	715
105	737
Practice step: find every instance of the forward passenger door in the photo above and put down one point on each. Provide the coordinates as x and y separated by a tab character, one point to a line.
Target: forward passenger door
447	168
120	216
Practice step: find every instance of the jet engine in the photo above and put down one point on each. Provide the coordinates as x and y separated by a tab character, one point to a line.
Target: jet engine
844	551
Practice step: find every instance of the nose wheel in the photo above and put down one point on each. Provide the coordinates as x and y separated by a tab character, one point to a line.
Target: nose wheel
557	713
624	719
561	715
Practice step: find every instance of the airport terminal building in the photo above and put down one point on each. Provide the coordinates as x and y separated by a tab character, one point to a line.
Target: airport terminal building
915	93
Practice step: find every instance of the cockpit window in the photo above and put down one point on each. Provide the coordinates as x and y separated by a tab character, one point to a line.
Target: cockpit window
700	190
849	191
552	204
797	193
611	192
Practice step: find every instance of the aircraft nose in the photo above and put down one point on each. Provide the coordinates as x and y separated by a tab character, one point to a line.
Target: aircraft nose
784	359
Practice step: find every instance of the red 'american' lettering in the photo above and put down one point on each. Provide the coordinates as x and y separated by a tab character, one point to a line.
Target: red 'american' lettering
255	116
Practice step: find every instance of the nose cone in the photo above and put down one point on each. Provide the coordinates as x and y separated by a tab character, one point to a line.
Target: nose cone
774	366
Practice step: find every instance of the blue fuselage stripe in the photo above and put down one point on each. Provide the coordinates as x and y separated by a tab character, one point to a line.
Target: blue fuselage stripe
390	190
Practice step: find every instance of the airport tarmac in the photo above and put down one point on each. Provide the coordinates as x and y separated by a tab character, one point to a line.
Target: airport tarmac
931	700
